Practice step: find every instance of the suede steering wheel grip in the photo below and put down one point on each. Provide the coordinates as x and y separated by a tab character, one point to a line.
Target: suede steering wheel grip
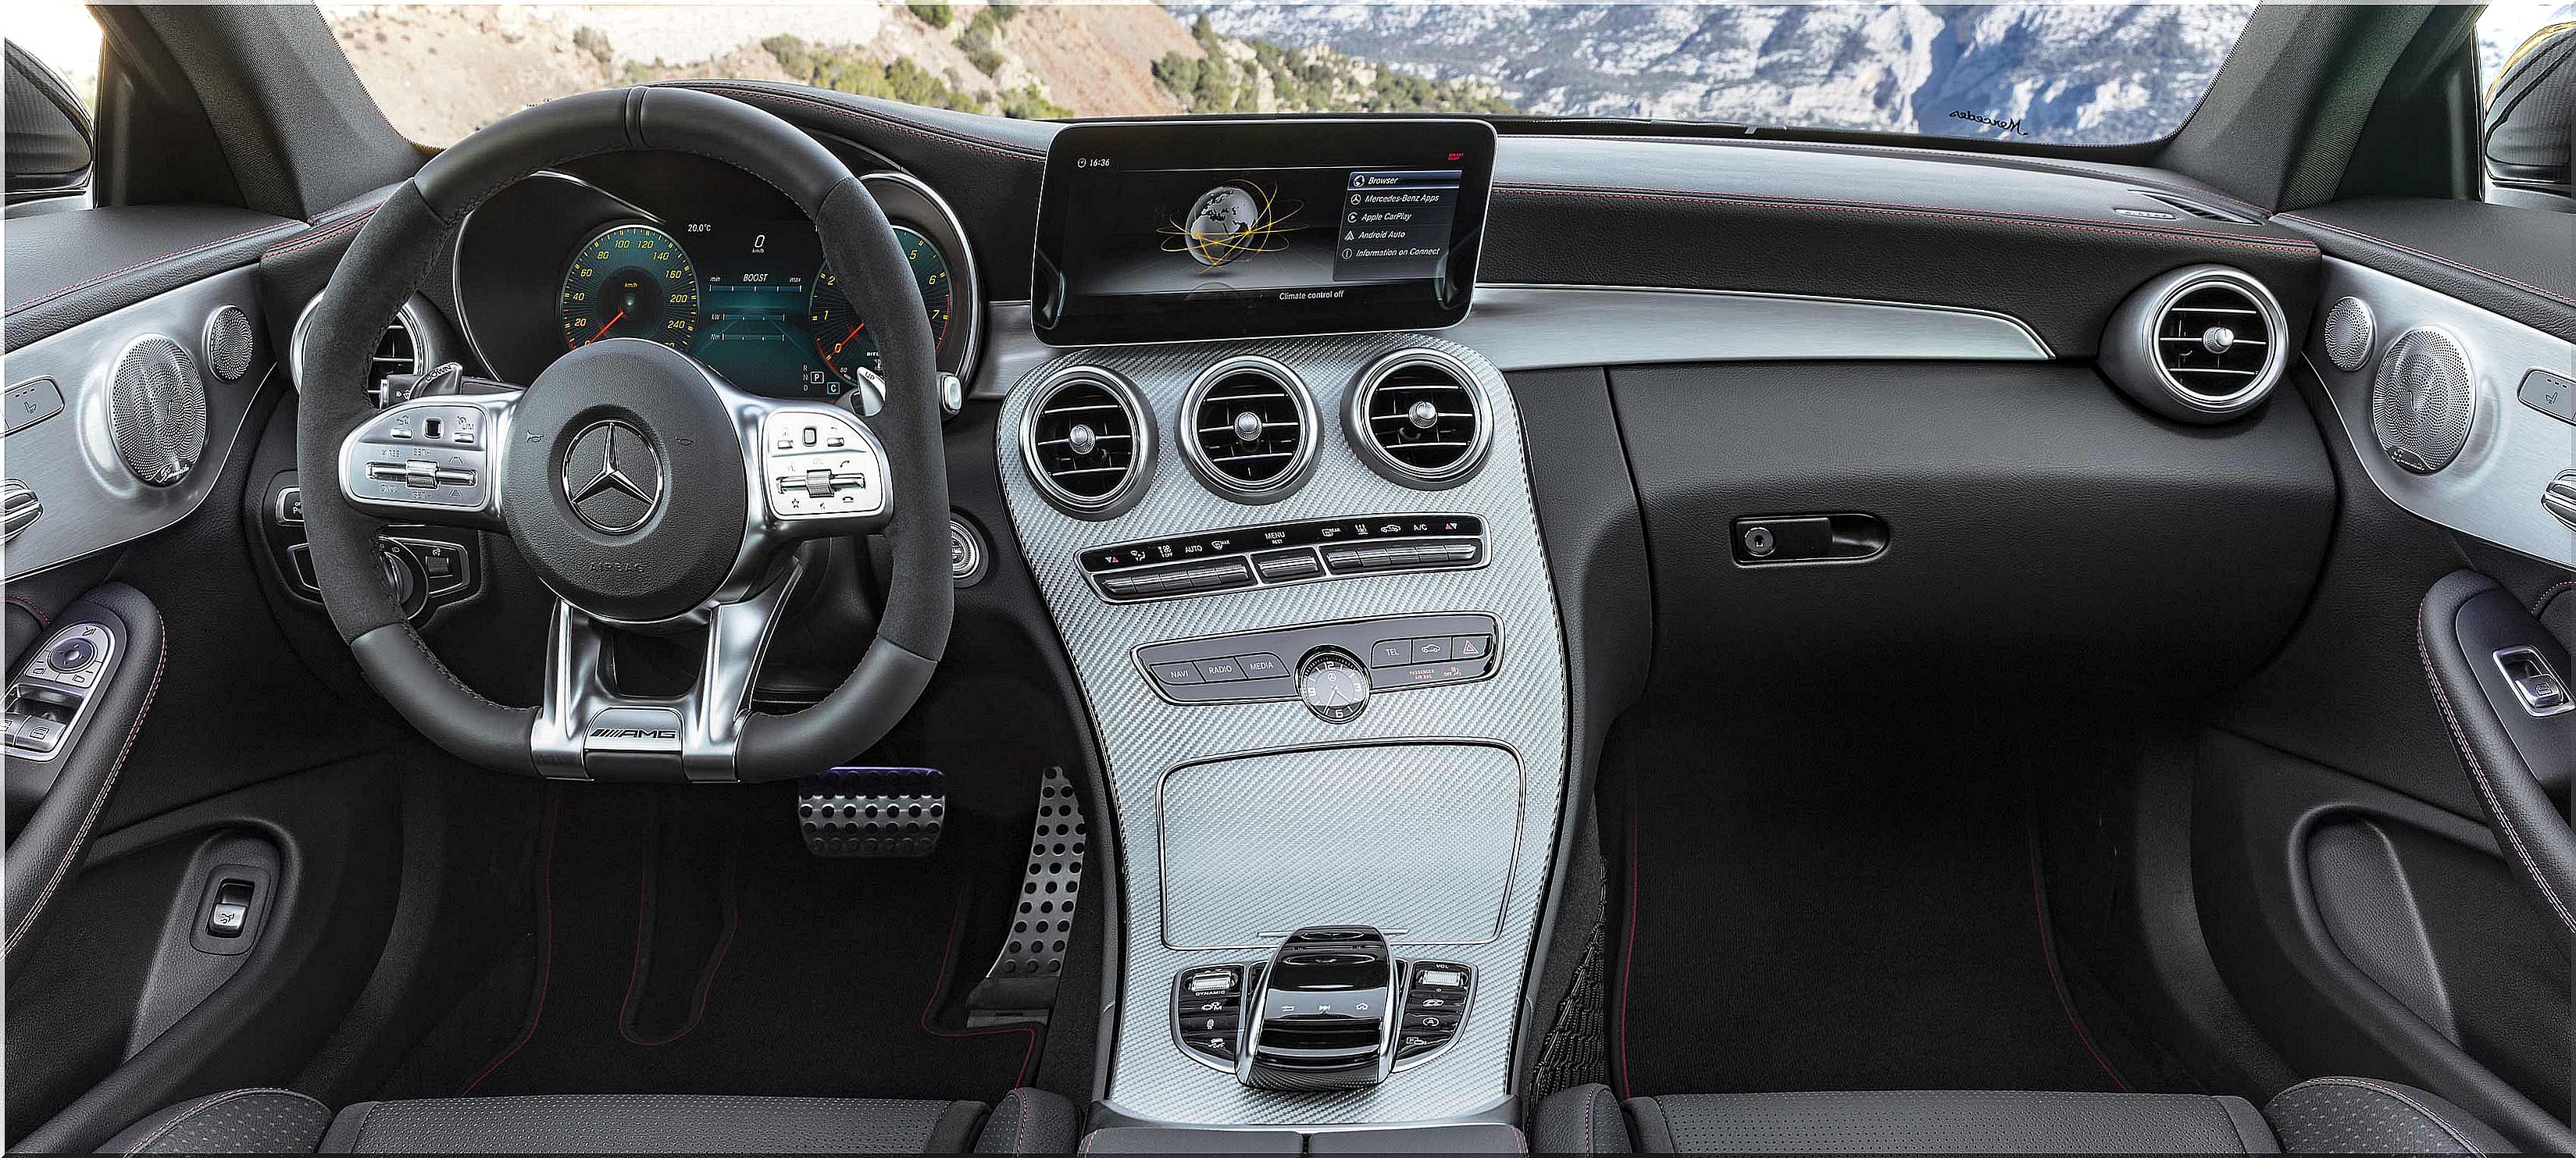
402	241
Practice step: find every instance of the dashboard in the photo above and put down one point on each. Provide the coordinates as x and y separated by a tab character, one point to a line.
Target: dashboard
701	258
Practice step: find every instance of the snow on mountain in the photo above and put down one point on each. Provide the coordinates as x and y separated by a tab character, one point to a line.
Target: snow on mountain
2080	74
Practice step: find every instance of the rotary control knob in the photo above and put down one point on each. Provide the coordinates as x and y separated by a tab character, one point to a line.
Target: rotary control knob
1334	685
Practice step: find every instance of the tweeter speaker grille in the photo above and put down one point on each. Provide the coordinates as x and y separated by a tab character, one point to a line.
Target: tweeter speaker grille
157	407
228	343
2423	401
2348	334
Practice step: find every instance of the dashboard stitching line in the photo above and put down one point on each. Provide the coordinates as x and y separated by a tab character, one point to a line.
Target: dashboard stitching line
98	801
2284	247
2433	257
148	262
864	116
2495	807
318	234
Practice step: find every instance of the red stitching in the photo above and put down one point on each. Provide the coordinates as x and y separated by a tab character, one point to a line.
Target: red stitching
2048	951
706	981
2434	257
97	802
545	938
43	620
2478	772
318	236
174	255
2546	594
1628	952
1903	211
947	958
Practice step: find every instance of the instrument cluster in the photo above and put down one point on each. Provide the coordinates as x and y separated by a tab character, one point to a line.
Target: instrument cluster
703	259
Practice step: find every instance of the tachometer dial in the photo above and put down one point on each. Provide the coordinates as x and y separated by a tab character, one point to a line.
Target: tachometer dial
842	336
631	281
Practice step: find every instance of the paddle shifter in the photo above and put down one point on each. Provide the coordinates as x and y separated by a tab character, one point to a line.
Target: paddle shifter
1321	1017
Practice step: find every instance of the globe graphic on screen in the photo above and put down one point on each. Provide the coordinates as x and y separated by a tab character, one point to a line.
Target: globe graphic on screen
1219	221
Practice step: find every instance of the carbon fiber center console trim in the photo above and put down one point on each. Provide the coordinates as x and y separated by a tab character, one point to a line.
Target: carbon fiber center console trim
1146	738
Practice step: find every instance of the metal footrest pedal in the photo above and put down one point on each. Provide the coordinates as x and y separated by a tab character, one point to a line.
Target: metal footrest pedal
1021	984
872	812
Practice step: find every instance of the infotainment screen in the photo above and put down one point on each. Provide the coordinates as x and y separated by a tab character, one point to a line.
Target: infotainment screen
1168	231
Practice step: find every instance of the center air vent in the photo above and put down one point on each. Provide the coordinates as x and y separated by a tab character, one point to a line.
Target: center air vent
1249	429
1419	418
2203	344
1088	444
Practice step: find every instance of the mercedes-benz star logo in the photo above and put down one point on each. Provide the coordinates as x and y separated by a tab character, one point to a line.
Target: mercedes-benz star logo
612	477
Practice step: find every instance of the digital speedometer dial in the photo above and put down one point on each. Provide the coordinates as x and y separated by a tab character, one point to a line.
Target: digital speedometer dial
842	337
630	281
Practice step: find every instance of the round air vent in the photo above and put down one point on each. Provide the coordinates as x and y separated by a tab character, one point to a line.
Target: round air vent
402	349
228	343
1088	442
1418	417
1249	429
2422	403
157	409
2349	329
2203	344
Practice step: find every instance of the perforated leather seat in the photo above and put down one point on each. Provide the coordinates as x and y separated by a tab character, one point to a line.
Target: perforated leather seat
2326	1115
285	1122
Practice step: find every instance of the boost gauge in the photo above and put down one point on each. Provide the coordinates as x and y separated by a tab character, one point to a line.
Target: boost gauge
630	281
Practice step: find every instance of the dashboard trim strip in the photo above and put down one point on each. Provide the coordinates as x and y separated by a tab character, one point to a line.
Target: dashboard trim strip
1538	326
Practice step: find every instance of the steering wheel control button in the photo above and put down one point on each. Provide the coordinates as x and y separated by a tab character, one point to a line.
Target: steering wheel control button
410	456
1334	685
821	464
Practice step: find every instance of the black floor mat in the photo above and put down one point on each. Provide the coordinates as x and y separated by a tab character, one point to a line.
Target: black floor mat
1825	924
759	970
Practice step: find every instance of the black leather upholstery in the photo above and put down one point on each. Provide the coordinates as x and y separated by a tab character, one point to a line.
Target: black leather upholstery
2366	1116
2325	1115
285	1122
232	1122
46	853
1975	1122
2530	831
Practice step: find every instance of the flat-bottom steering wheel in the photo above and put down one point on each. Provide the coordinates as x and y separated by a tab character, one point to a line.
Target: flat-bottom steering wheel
646	491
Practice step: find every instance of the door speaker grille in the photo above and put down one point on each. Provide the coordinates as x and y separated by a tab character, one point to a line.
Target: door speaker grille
2422	403
2349	330
228	342
157	410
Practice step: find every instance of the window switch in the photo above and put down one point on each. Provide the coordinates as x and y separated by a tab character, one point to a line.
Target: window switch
231	912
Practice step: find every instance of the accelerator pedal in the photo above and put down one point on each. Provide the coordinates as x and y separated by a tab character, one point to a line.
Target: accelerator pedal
872	812
1022	982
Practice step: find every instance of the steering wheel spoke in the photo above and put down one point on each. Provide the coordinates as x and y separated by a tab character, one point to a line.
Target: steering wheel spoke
588	730
436	459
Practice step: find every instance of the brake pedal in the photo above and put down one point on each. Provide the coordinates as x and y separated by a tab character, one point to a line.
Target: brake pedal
872	812
1022	982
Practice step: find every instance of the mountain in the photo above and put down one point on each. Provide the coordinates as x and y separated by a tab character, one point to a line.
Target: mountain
2075	74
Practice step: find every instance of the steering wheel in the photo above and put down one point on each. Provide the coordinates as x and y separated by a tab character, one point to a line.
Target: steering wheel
647	492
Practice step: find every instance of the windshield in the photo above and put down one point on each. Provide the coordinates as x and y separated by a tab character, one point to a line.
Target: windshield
2040	73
